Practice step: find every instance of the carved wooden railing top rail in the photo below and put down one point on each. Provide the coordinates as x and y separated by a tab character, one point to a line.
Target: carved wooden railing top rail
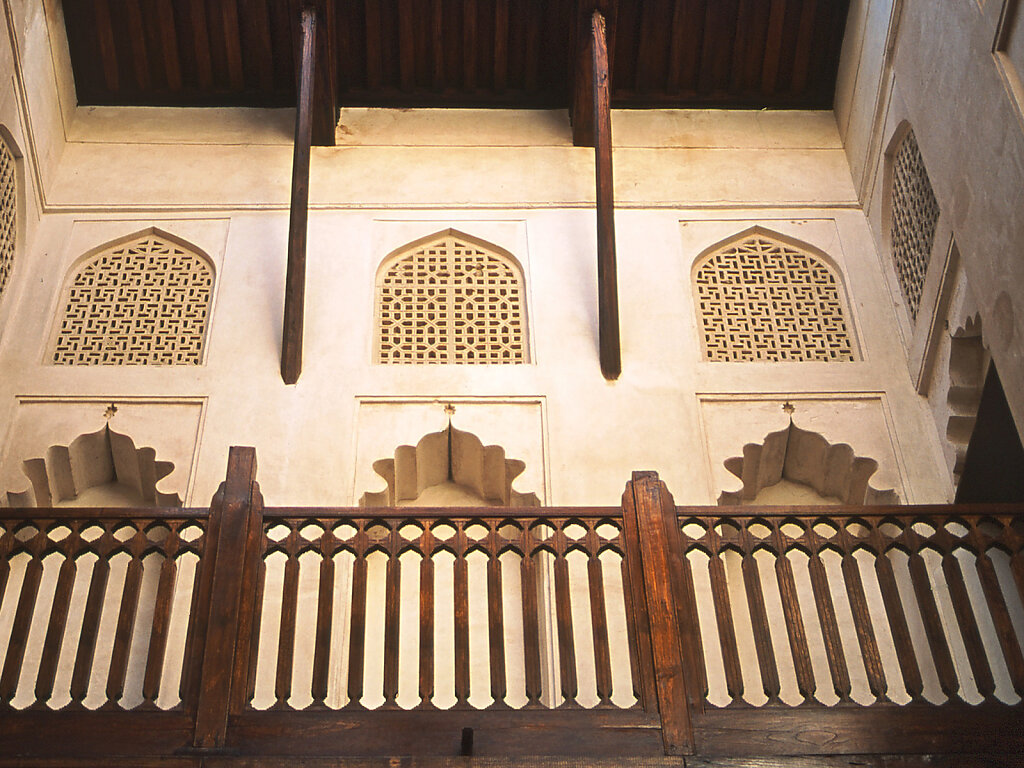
249	633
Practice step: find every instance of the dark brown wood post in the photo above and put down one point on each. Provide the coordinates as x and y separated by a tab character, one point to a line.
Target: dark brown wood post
295	282
236	518
607	282
647	508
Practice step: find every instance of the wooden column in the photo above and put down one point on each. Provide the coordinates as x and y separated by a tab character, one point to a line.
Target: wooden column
648	517
295	282
226	585
592	126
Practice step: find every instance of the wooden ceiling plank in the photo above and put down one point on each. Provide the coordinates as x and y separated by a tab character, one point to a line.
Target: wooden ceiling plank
201	44
108	51
406	44
172	62
773	47
469	50
437	41
374	53
741	46
804	46
581	112
137	36
533	46
258	51
295	280
646	65
501	33
233	44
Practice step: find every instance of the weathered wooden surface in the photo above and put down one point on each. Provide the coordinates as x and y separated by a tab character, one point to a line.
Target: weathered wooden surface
659	552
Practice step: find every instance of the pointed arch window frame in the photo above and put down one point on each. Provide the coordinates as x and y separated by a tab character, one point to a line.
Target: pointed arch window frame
411	249
111	247
803	248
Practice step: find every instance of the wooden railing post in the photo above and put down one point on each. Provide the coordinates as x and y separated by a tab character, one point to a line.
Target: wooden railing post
228	589
648	514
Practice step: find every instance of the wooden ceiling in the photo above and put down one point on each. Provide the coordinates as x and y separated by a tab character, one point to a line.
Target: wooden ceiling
457	53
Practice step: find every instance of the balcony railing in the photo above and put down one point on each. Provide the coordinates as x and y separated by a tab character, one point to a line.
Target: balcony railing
239	634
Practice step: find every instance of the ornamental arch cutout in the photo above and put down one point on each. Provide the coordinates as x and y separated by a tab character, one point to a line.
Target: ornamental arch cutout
450	298
762	297
142	300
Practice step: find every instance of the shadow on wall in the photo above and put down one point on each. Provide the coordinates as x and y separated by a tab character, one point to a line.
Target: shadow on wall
803	468
101	468
450	468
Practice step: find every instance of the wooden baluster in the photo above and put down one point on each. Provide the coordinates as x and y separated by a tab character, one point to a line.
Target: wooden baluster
723	615
248	693
55	628
647	506
289	609
495	615
392	606
357	637
598	616
794	620
898	626
200	610
126	622
427	617
759	619
324	618
461	617
976	655
693	646
827	619
6	543
862	618
17	644
1008	640
161	620
253	578
82	673
638	635
531	620
931	618
563	615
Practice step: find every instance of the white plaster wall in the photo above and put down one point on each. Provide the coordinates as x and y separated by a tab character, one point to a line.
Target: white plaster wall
684	180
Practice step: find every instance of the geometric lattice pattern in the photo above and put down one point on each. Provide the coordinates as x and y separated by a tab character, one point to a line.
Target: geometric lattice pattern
141	303
762	300
8	213
451	301
915	212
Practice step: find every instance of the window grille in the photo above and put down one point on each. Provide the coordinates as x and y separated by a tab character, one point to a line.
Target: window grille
8	213
915	212
451	300
762	300
141	303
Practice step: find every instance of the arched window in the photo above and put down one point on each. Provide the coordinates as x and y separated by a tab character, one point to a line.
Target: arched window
915	212
760	299
450	299
141	302
8	212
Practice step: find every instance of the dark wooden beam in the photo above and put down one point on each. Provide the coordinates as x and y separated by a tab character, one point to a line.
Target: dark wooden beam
295	282
607	282
325	83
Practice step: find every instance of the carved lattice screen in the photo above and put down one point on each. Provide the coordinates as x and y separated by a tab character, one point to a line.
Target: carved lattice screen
915	212
451	301
762	300
8	213
141	303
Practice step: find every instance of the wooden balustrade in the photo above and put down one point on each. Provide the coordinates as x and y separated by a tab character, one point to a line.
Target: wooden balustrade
243	634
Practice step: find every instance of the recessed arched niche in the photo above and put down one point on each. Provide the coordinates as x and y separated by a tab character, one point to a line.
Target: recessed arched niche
97	469
450	468
798	467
